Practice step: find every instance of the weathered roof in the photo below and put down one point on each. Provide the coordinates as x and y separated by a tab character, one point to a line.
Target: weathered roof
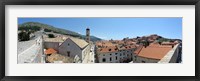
126	47
168	43
154	52
108	49
80	42
59	58
139	48
50	51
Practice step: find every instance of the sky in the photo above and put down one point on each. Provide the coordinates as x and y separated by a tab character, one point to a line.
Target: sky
116	28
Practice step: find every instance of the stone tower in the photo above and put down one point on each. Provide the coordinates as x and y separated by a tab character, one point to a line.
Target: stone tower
87	35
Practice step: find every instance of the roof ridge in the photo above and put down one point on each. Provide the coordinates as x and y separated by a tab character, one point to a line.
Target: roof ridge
140	49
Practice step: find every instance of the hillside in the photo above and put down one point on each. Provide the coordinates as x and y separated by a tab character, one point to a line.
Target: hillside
36	26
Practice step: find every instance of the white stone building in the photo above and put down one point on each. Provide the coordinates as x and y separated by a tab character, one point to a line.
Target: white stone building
114	54
73	46
69	46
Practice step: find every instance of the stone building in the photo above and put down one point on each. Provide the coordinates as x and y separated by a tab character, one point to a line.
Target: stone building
115	54
73	46
70	46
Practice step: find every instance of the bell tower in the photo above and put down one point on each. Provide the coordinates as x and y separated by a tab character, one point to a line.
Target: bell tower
87	35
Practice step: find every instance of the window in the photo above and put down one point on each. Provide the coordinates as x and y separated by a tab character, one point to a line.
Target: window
110	54
110	58
120	54
135	58
68	53
116	57
68	44
104	60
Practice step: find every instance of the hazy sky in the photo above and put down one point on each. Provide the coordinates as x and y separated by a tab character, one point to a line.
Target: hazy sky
116	28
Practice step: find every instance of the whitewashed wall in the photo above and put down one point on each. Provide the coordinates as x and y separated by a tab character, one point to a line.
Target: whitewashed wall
86	52
72	48
175	55
54	45
146	60
116	57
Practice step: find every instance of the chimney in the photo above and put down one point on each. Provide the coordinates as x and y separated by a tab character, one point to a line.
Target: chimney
87	35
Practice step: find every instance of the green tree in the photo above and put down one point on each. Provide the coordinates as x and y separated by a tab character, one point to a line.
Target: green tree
24	36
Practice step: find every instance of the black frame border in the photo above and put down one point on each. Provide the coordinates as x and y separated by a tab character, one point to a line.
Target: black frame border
3	3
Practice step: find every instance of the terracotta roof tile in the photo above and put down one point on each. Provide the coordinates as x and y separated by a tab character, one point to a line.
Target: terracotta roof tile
154	52
139	48
108	49
50	51
167	43
80	42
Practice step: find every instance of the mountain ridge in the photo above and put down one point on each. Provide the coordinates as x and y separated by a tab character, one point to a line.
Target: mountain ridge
36	26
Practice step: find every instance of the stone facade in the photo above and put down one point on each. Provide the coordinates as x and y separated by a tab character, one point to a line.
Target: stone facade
70	48
145	60
171	56
115	57
54	45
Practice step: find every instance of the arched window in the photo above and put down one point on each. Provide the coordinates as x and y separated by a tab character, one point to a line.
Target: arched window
104	59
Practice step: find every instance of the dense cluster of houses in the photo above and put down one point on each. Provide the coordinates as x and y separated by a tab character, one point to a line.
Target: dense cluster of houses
146	49
132	50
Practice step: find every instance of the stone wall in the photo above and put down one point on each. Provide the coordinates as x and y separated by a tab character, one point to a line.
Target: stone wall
145	60
71	47
86	52
54	45
38	58
171	56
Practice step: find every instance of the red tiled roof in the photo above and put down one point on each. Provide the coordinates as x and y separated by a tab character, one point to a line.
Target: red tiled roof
167	43
130	46
154	45
50	51
139	48
109	49
154	52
